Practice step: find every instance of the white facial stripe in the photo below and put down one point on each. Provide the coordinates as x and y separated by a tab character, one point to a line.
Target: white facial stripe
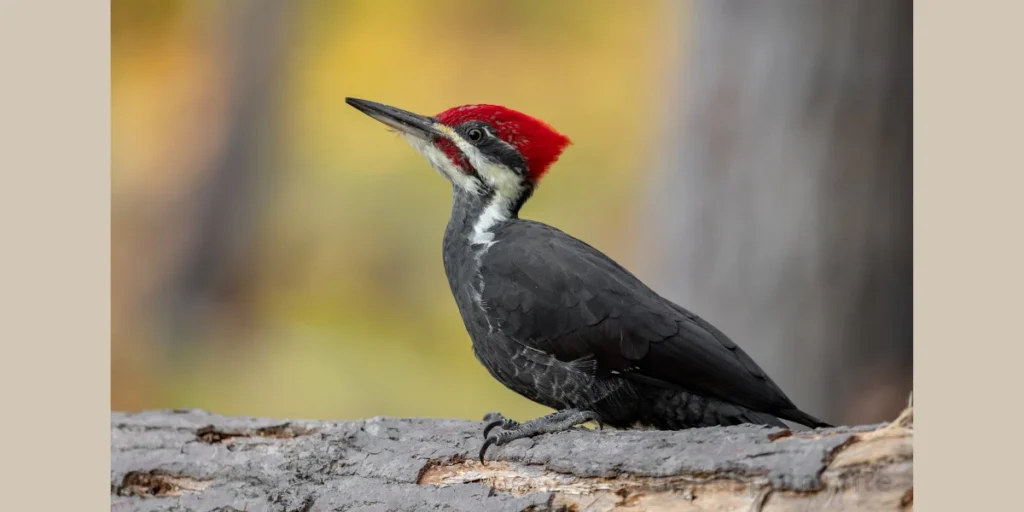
442	164
505	182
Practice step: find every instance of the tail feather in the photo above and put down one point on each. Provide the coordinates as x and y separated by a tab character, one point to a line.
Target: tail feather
803	418
760	418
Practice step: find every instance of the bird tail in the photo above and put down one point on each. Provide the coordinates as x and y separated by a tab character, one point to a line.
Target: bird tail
803	418
761	418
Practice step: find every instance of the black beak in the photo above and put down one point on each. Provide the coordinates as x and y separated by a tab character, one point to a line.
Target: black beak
419	126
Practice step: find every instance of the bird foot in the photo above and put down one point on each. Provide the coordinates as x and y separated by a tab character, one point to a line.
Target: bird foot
496	419
512	430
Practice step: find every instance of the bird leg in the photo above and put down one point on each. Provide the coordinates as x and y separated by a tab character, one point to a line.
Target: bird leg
512	430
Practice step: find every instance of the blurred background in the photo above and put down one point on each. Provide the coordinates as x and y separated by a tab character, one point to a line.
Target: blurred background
277	253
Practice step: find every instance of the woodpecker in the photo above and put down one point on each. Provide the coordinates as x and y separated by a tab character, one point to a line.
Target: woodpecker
554	319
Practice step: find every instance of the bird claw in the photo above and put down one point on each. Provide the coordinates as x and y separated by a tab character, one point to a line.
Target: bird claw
495	419
512	430
483	449
499	439
491	425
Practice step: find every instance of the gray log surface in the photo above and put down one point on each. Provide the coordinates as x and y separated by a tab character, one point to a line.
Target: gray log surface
194	460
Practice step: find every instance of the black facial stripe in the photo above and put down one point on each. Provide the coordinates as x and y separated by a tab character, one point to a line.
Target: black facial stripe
506	155
527	192
492	147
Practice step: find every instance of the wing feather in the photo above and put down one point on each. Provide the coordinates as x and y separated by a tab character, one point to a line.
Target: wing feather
556	294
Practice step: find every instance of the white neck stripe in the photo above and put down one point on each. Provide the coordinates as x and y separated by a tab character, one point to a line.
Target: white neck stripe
495	213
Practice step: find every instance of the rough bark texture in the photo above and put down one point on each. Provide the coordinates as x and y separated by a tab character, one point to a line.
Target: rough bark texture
193	460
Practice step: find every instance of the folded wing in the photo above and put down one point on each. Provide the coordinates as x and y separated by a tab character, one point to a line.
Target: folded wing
552	292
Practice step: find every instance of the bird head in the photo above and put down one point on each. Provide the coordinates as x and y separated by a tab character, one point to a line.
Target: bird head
488	151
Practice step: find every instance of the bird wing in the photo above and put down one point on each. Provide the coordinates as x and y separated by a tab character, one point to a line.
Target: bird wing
554	293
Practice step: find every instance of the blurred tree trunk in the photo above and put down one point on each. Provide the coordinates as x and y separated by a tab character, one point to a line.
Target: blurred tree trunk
782	209
213	284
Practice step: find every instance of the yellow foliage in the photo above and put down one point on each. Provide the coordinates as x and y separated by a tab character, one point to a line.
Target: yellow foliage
352	314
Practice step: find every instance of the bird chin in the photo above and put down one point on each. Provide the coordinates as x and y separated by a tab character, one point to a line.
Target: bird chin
435	157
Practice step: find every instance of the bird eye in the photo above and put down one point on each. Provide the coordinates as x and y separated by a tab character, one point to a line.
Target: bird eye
475	135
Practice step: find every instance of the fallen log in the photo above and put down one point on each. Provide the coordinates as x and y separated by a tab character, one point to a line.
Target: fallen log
194	460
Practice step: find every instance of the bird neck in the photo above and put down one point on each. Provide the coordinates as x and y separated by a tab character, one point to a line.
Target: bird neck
475	216
459	252
470	231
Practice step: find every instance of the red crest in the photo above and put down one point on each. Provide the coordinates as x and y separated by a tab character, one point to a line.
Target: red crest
537	141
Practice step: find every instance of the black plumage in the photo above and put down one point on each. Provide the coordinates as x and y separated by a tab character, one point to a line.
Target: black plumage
556	320
564	325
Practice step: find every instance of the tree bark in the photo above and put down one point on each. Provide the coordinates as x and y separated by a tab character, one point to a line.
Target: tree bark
193	460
